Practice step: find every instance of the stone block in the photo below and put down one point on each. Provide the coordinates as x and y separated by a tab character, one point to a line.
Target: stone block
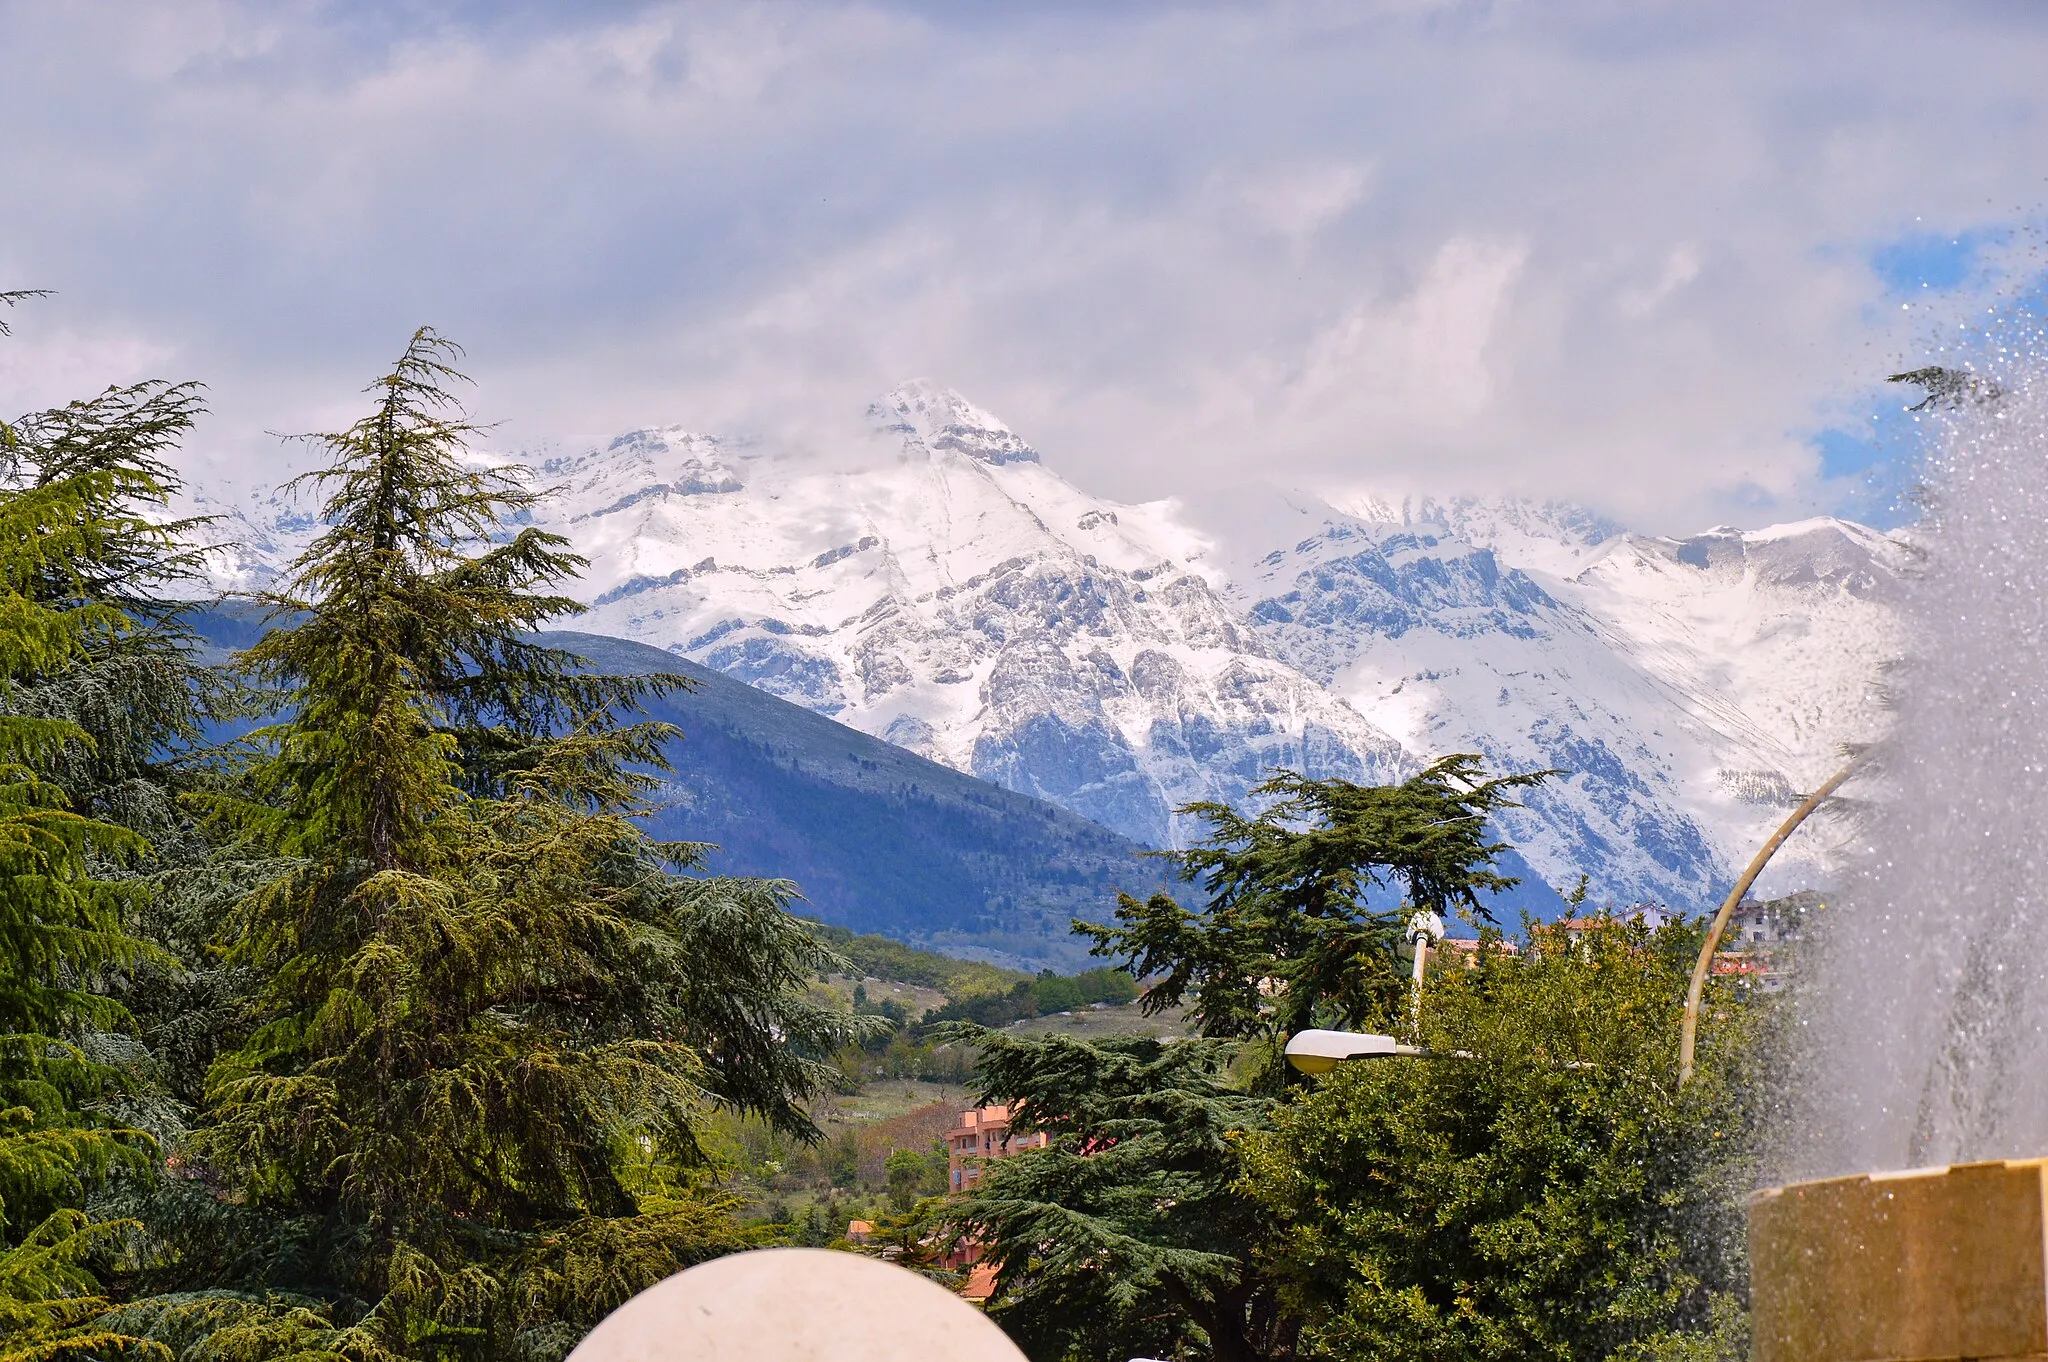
1932	1263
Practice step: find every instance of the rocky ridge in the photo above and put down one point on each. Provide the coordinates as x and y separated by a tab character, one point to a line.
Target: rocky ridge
937	585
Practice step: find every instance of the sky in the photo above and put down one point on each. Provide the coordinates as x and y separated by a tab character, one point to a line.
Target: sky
1654	258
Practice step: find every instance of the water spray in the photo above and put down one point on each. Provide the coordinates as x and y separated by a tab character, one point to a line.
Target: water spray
1924	1004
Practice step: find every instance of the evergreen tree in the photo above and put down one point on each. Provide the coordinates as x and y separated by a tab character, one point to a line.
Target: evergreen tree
1133	1232
144	702
137	692
65	920
1128	1235
486	1011
1291	937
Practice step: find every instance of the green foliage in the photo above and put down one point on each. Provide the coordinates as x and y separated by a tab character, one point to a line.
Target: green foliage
137	700
878	957
124	434
910	1239
54	1147
739	966
983	994
1289	938
1129	1234
1042	996
913	1176
49	1302
60	922
482	1017
1543	1189
74	551
1722	1337
1539	1189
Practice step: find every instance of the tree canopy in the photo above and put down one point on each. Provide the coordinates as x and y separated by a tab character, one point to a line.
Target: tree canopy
1544	1189
1291	935
1539	1188
446	1022
1129	1235
76	553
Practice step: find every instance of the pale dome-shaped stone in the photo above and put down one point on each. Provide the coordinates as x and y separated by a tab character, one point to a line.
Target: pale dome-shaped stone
796	1305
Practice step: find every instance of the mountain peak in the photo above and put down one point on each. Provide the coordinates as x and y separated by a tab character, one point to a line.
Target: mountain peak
938	419
1125	660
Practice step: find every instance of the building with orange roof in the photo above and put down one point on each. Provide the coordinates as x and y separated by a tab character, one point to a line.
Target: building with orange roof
980	1283
981	1135
1466	948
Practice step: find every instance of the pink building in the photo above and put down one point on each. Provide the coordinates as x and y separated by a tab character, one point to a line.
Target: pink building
983	1134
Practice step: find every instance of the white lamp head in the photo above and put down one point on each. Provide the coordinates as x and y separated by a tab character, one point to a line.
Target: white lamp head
1424	923
1318	1052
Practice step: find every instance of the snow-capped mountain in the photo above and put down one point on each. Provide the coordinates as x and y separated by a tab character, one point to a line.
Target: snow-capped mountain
935	584
1689	690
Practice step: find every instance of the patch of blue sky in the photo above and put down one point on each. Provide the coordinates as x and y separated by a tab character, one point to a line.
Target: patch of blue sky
1875	461
1936	262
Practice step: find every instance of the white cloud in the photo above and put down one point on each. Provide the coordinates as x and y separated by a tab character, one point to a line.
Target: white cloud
1608	252
1422	360
46	366
1681	267
1297	201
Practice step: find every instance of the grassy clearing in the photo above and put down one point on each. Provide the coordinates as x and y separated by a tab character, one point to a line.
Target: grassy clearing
1094	1023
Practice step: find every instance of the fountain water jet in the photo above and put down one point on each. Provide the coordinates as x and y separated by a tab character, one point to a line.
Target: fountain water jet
1925	1015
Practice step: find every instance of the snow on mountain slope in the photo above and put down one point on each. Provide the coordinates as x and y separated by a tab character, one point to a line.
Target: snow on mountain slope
935	584
945	591
1687	689
1757	626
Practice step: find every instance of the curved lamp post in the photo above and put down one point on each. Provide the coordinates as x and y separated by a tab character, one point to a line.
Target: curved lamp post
1689	1030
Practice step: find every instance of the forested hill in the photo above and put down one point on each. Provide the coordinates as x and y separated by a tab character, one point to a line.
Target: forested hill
879	839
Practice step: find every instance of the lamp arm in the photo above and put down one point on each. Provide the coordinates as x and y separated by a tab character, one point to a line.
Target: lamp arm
1688	1031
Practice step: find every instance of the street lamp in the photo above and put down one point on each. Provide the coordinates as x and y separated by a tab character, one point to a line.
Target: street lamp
1318	1052
1424	927
1688	1029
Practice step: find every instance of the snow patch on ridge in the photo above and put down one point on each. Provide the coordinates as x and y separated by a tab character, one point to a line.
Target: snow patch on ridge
941	588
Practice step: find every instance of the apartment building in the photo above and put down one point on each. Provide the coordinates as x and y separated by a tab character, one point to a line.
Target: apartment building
981	1135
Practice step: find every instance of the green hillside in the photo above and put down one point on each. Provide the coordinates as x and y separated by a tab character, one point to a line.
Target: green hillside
880	840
